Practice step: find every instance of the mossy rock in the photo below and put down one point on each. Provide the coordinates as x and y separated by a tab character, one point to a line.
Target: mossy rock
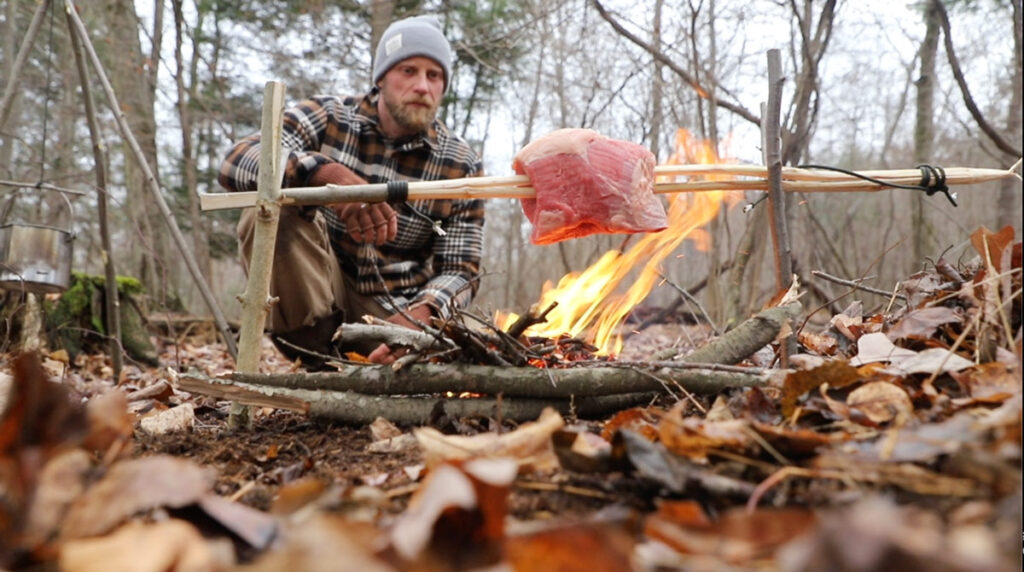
76	322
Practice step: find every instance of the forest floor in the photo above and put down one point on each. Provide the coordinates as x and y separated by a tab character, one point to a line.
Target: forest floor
894	441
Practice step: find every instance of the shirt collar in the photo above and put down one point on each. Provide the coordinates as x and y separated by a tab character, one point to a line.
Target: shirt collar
367	113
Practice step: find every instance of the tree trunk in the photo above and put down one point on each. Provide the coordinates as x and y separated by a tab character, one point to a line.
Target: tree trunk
658	85
924	125
381	14
126	64
188	154
1009	189
11	40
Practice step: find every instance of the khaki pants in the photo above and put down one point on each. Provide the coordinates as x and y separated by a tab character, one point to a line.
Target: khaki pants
306	278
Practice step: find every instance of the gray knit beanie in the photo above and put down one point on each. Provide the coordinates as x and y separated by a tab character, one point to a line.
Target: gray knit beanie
416	36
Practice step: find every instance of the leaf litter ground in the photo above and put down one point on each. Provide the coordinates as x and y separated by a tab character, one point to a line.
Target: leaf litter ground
894	440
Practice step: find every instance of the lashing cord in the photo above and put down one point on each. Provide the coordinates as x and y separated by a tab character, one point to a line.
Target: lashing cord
933	180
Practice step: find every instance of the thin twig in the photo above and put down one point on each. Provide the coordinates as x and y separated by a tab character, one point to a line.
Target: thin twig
689	298
856	284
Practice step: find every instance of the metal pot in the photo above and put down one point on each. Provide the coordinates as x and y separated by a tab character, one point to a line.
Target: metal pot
35	258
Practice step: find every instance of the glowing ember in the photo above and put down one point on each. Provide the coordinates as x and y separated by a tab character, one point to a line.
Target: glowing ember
588	303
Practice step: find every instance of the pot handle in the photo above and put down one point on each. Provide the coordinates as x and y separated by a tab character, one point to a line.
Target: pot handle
9	205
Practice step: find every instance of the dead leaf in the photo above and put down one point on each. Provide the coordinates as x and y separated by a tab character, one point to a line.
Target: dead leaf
881	401
530	444
877	347
256	528
324	542
989	380
585	547
167	545
133	486
692	437
836	373
923	323
642	420
992	245
457	515
60	483
180	418
738	537
381	429
931	360
109	421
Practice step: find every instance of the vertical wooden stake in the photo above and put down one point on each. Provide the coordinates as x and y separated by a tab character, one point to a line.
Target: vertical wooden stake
772	145
113	305
771	129
256	299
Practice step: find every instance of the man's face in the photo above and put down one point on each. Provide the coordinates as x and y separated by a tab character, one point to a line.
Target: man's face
411	92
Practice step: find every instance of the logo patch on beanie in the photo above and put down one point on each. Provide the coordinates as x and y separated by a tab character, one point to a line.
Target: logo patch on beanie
393	44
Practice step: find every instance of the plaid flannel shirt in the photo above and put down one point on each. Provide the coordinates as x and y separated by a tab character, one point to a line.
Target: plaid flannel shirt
418	266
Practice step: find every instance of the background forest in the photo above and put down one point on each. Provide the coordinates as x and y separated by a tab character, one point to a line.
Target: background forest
869	85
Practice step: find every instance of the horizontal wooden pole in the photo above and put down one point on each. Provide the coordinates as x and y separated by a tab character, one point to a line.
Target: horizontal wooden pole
518	186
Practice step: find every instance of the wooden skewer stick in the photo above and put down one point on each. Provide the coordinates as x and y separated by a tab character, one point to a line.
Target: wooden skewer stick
518	186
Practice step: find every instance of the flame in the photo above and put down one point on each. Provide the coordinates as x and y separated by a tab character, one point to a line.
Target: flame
588	303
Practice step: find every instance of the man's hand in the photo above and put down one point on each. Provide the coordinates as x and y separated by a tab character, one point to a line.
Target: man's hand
376	223
385	355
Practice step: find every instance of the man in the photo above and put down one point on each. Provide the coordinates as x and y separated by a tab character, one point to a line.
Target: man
335	264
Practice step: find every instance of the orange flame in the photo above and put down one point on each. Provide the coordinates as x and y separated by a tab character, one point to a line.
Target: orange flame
588	305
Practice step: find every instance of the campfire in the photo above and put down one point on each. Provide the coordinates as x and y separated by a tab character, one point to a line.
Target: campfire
590	305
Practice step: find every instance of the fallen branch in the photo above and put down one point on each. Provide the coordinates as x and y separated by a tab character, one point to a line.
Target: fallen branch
748	337
509	381
359	409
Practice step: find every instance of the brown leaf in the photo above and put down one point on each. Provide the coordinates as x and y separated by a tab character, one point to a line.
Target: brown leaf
109	421
60	483
692	437
256	528
134	486
991	245
737	537
990	380
642	420
529	444
457	515
923	322
881	401
167	545
39	412
578	548
835	373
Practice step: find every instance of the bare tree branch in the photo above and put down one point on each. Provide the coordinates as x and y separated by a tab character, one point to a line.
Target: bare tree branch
958	74
661	57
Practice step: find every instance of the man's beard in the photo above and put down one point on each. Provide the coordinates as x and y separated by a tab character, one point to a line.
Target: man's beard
414	119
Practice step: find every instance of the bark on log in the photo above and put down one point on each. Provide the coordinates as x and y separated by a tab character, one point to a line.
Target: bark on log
354	408
510	381
747	338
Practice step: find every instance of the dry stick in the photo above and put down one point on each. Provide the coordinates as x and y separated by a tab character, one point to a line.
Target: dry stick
690	299
256	299
152	183
856	284
361	409
40	185
540	383
113	301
